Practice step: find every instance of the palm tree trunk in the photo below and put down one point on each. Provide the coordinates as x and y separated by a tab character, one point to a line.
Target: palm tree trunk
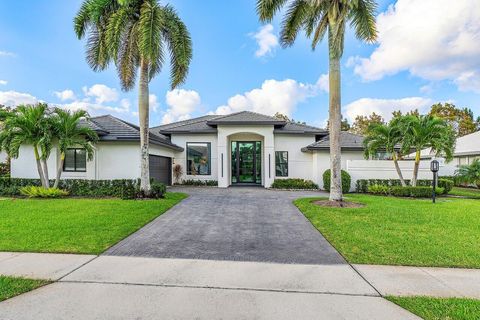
39	166
143	112
45	172
335	118
415	168
59	170
399	171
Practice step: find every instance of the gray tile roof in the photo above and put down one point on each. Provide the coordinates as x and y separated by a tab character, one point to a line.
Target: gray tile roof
208	124
246	117
110	128
348	141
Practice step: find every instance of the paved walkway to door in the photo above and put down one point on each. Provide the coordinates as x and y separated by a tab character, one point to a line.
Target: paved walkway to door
239	223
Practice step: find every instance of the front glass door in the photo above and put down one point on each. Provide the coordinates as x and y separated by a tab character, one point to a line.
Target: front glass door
246	162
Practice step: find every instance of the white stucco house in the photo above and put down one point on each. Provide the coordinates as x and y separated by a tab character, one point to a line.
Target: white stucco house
243	148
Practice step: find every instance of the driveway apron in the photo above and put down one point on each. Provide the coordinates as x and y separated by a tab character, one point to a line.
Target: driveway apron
238	224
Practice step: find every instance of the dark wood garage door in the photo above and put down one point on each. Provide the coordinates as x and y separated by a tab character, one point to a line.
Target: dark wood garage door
161	169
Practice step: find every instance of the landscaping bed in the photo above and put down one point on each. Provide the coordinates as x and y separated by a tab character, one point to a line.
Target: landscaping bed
465	192
440	308
12	286
397	231
87	226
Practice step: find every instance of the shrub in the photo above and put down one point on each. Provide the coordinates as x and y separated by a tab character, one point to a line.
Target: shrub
415	192
294	184
192	182
40	192
363	184
158	190
177	172
346	181
379	189
4	170
122	188
446	184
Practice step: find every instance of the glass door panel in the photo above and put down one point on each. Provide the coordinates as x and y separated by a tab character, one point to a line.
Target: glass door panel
246	162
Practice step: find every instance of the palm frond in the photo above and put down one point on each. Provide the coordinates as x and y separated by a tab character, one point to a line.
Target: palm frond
362	19
179	45
266	9
149	31
294	20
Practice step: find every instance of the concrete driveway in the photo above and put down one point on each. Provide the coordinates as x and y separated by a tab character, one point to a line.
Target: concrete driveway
242	224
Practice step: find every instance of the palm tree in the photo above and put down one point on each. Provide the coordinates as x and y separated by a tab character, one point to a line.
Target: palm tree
470	173
134	34
427	132
317	18
384	137
29	125
71	132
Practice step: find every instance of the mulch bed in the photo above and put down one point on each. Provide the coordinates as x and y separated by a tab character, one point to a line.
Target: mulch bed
338	204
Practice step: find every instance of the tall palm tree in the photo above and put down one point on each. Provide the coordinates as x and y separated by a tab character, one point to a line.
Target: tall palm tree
384	137
29	125
317	18
71	132
134	34
427	132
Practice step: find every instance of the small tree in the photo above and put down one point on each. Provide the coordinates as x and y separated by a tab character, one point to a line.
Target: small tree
426	132
71	133
177	172
469	173
362	123
29	125
384	137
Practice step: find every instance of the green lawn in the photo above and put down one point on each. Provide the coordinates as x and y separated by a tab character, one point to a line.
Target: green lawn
11	287
396	231
465	192
75	225
440	308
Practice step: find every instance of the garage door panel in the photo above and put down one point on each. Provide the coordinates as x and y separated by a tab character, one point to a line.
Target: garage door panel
160	169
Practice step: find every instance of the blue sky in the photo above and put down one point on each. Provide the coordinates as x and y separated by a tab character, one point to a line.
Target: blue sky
427	52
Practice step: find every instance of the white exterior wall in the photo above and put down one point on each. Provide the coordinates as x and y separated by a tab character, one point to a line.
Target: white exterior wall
111	160
385	169
321	162
181	157
3	157
299	163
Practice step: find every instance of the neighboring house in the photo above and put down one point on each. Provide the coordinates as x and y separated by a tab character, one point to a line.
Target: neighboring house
467	149
243	148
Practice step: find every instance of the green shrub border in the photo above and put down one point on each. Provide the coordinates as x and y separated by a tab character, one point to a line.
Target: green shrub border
120	188
192	182
362	185
294	183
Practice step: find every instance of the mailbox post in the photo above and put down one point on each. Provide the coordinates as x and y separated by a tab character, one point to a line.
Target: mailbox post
434	167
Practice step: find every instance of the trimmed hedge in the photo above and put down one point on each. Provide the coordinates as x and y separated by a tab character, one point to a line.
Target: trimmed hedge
192	182
346	181
414	192
363	184
446	184
121	188
379	189
294	184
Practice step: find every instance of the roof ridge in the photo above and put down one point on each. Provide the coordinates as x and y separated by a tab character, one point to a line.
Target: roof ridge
183	122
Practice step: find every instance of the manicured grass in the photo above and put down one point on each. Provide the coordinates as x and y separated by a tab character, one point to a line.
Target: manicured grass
465	192
397	231
75	225
11	287
440	308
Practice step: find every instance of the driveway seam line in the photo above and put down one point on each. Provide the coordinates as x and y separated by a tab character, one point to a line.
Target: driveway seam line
365	279
218	288
75	269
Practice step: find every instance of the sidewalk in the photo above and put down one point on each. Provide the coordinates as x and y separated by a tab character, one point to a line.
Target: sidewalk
91	287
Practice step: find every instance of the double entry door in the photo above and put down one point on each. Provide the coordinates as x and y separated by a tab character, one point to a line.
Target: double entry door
246	162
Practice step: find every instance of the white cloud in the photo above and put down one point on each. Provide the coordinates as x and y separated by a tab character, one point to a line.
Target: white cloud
3	82
385	107
94	108
6	54
101	93
274	96
181	104
14	98
153	102
323	82
65	95
267	41
432	39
